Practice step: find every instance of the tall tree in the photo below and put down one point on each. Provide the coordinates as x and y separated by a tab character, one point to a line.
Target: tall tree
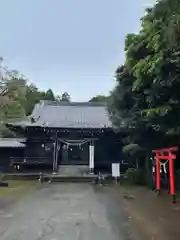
13	102
153	55
49	95
146	100
33	96
66	97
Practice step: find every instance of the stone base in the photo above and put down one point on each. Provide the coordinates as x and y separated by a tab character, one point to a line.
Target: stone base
73	170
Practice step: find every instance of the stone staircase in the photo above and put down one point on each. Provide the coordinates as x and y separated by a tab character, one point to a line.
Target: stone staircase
66	173
46	177
73	170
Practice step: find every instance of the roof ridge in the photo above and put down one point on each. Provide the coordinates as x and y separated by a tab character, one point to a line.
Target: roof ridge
65	103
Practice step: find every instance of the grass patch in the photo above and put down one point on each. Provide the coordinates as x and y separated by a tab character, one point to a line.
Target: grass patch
17	188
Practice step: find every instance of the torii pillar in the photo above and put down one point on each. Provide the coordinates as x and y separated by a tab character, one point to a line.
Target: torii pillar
166	154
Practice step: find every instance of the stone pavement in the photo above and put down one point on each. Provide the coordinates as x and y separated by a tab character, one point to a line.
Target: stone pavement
64	211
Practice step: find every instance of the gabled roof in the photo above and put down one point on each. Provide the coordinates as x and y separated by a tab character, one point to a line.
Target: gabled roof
12	143
67	115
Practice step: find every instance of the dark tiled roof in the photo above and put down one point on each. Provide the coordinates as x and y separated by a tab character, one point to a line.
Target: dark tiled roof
68	115
12	143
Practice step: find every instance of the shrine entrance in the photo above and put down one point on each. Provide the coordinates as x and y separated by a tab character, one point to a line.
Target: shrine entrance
162	157
73	152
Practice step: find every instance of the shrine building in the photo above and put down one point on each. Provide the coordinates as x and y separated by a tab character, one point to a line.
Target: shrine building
67	133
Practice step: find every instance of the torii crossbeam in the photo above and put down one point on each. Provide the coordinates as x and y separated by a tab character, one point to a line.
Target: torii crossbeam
166	154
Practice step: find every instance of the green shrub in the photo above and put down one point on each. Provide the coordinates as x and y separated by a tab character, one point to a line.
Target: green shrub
135	176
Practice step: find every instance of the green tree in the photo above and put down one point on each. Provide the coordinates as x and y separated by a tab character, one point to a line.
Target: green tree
12	103
65	97
145	103
33	97
99	98
153	61
14	110
49	95
18	98
153	56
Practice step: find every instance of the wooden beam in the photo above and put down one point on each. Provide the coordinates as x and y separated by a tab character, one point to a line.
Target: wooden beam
172	149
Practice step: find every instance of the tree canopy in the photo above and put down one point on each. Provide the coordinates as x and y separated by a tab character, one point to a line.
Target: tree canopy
99	98
65	97
145	101
18	97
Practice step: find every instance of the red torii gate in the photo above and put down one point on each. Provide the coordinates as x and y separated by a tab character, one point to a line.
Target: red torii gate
166	154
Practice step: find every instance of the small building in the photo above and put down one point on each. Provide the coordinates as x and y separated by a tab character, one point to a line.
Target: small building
10	147
63	133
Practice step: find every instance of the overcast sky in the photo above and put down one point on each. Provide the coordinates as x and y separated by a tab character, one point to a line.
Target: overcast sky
68	45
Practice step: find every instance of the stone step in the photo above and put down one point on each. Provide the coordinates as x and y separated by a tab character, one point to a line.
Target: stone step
73	170
51	177
71	179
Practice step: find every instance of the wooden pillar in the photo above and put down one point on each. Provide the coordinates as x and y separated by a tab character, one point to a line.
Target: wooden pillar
91	156
55	154
157	172
171	176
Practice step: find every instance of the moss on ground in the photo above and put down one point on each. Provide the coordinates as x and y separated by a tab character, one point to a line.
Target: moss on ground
17	188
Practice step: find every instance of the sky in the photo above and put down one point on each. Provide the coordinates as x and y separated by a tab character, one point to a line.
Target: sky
68	45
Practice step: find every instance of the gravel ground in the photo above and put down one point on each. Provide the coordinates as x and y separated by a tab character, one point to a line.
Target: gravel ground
153	217
66	211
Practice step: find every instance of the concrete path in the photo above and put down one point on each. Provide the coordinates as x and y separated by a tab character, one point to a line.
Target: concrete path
64	212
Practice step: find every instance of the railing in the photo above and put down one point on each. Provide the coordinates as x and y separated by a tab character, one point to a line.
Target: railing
30	160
